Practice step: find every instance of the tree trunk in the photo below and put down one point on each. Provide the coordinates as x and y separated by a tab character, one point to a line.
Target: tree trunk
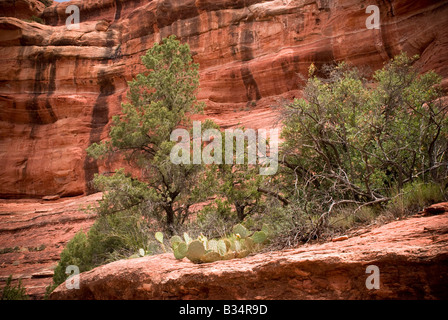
169	219
240	211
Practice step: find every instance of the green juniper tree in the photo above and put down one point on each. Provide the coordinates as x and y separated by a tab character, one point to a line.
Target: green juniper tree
159	102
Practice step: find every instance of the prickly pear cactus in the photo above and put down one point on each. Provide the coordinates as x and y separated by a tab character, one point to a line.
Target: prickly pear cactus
249	244
242	253
238	245
159	236
267	229
213	245
229	255
228	244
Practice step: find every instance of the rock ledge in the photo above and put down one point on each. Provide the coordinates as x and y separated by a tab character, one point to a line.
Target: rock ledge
412	256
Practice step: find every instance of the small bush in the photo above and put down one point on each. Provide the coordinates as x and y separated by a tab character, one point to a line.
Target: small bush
347	218
290	226
415	197
47	3
112	237
10	292
35	19
77	253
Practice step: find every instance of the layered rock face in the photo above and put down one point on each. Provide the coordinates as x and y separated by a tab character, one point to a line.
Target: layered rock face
59	88
412	257
21	9
33	234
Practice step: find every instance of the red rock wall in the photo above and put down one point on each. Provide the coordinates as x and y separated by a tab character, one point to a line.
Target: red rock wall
22	9
60	88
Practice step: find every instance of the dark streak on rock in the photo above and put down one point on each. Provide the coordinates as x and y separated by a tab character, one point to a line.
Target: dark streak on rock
386	45
100	113
51	90
252	91
246	41
38	117
170	11
222	5
290	68
100	118
321	58
40	64
118	9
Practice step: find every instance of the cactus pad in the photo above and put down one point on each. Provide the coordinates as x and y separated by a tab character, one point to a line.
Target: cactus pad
159	236
211	257
241	230
195	251
228	244
187	238
175	239
180	250
242	254
213	245
221	247
259	237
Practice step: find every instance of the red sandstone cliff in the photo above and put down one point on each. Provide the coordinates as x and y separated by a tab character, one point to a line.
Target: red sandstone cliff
60	88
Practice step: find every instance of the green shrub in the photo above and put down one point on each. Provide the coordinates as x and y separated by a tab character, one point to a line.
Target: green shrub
349	139
77	253
158	103
131	209
10	292
47	3
112	237
416	196
35	19
349	217
214	220
118	236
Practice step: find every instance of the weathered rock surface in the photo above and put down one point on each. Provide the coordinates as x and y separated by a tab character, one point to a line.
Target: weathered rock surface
59	88
34	233
21	9
412	256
